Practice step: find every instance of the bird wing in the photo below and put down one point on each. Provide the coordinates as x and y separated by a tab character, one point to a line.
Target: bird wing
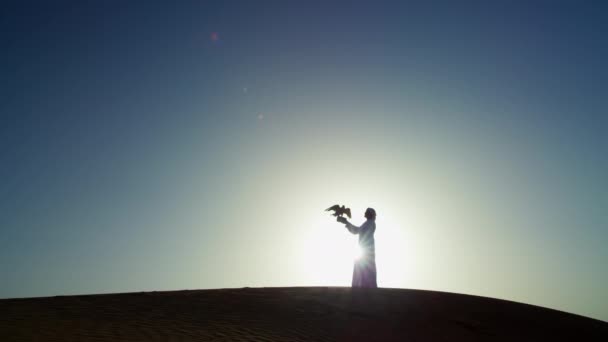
347	211
333	207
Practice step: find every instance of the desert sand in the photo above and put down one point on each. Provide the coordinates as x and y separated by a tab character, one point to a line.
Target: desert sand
289	314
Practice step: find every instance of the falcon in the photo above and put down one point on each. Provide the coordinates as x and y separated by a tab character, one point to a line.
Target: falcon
339	210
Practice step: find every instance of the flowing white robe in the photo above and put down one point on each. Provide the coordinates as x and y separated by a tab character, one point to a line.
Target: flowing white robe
364	273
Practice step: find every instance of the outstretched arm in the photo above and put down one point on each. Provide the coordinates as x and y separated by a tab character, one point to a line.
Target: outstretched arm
351	227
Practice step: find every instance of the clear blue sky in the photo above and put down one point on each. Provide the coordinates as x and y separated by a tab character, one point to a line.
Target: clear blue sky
193	144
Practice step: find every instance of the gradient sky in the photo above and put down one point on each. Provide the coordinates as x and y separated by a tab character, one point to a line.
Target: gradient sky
191	144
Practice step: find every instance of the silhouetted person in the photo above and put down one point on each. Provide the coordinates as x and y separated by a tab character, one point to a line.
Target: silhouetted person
364	273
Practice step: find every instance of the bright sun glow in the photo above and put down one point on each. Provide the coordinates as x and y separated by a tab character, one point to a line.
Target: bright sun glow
357	253
330	260
323	251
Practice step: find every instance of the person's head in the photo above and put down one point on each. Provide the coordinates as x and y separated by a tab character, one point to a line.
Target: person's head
370	214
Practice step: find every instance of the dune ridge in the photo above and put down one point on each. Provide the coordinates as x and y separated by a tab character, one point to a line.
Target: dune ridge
288	314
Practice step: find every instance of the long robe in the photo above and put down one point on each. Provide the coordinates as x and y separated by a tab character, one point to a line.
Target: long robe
364	273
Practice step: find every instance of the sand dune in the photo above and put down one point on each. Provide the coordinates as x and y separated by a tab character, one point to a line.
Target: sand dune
288	314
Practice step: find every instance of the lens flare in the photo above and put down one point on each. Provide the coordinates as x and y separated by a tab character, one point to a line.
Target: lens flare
358	253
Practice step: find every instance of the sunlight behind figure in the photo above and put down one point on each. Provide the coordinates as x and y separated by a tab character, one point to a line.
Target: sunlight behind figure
358	253
364	272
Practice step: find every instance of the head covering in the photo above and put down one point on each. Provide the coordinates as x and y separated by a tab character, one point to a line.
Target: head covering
370	213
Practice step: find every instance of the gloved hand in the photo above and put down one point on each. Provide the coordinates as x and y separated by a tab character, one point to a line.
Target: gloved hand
341	219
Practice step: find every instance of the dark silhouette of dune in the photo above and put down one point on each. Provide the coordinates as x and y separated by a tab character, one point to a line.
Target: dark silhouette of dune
289	314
